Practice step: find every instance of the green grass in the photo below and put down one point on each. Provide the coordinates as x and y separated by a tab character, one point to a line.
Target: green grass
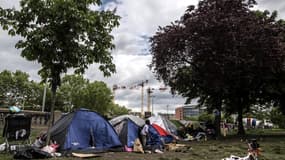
272	143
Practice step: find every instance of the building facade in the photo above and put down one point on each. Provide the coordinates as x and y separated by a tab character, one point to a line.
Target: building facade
167	115
187	111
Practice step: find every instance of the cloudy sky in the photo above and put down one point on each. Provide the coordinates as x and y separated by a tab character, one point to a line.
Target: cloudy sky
139	20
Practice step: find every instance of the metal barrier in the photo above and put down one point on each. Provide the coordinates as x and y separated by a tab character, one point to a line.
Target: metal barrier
38	117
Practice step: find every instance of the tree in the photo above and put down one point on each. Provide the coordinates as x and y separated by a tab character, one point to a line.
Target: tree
79	92
117	110
71	87
96	96
35	95
62	34
5	86
277	118
220	52
14	87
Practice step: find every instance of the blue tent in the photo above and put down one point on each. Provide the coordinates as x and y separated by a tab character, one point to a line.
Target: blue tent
84	129
127	127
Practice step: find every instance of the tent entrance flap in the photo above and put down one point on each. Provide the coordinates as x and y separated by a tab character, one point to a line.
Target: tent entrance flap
92	138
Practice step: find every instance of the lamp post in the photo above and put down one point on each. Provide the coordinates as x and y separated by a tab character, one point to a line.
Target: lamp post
44	96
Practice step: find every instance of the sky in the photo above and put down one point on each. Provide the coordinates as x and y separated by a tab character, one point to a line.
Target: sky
139	21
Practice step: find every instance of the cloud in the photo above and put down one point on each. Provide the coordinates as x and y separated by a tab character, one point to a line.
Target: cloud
139	21
10	4
278	5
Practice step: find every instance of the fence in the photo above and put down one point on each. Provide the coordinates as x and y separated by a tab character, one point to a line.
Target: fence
38	117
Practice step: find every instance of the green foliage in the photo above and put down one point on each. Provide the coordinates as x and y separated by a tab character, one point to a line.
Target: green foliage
62	34
78	92
227	57
116	110
14	87
206	117
70	89
192	118
75	92
228	119
96	96
277	118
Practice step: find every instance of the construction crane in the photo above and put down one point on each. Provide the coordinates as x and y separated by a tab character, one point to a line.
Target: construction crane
142	84
149	91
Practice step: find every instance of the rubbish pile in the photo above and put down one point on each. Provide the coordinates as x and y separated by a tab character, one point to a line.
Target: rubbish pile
253	152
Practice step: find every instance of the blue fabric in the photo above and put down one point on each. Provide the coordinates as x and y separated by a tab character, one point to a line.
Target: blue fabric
167	139
154	137
14	109
87	128
133	133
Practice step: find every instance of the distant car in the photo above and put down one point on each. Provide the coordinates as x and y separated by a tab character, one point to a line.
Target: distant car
267	124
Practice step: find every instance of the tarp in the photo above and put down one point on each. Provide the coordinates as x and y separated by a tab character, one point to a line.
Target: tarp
14	109
154	138
160	130
165	136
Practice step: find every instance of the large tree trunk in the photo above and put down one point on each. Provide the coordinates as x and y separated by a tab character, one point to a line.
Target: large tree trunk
241	130
51	121
217	120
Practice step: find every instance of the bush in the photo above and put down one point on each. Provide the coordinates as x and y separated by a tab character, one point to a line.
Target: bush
206	117
192	118
277	118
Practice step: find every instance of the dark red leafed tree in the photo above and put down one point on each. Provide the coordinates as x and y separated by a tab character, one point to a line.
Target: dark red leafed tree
222	52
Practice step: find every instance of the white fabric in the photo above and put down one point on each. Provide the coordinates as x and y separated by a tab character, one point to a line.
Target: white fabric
144	131
232	157
163	123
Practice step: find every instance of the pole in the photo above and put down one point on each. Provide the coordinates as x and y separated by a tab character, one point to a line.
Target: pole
152	110
44	97
142	100
148	99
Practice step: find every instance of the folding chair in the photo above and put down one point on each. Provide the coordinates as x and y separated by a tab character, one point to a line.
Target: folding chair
17	128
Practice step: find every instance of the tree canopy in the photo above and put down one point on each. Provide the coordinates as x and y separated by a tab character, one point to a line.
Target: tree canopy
79	92
75	92
62	34
222	51
14	86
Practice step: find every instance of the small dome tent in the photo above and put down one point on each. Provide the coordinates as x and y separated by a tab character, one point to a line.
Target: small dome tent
84	129
127	128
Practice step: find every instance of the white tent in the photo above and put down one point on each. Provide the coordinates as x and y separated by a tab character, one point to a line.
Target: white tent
164	123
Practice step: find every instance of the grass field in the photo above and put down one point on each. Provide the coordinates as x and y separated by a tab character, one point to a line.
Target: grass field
272	144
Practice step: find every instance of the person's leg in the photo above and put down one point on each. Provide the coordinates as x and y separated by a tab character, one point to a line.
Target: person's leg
143	141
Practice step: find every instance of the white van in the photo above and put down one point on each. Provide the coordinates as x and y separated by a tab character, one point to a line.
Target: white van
267	124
